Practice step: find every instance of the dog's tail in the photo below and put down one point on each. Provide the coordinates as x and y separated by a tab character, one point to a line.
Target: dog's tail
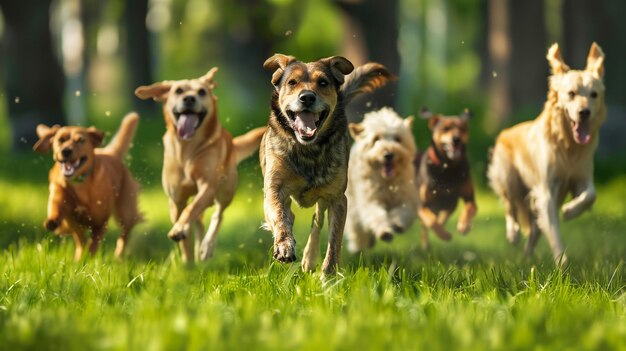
120	143
248	143
365	79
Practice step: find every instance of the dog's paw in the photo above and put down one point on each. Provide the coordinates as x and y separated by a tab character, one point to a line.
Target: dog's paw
285	250
443	234
386	236
179	232
398	229
571	210
51	224
463	227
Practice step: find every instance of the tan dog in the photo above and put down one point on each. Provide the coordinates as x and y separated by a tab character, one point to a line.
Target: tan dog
89	184
382	195
304	153
536	164
200	159
443	176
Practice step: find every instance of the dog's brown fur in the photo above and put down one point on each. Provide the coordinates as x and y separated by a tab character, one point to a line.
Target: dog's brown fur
443	176
89	184
304	153
536	164
200	159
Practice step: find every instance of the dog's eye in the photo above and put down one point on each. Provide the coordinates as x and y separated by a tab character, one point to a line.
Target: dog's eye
178	91
201	92
292	82
80	140
571	94
322	82
62	139
594	94
376	138
397	139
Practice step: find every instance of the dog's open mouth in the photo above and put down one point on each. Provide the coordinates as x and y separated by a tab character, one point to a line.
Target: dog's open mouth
187	122
453	151
306	123
388	169
580	130
69	167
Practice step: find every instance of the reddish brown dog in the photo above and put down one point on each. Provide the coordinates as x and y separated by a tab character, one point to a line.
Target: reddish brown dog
89	184
443	176
200	159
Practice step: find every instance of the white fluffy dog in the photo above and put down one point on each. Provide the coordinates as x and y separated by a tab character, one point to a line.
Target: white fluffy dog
382	196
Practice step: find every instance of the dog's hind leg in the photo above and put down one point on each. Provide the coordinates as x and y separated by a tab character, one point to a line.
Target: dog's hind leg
210	239
336	223
126	213
79	241
198	229
424	243
584	197
535	232
312	248
432	221
97	233
512	225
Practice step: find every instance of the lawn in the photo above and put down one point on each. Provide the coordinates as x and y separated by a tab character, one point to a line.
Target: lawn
475	293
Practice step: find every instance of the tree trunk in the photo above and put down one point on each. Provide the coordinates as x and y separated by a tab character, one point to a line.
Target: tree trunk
34	77
376	22
499	36
138	53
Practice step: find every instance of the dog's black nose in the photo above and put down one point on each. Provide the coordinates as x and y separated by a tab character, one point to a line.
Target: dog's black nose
189	100
67	152
307	97
388	156
584	113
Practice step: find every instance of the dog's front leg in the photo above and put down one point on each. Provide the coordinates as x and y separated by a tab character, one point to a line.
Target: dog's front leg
584	197
548	220
210	239
55	204
312	248
277	214
376	219
203	199
337	211
467	214
431	221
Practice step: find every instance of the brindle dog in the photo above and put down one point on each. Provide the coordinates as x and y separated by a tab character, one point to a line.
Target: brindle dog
304	153
443	176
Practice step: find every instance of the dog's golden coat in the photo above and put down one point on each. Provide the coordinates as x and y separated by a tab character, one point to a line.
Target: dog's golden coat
89	184
200	159
304	153
536	164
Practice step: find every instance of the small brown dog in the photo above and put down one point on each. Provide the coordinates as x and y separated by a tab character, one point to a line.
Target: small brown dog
88	184
381	179
304	153
536	164
200	159
443	176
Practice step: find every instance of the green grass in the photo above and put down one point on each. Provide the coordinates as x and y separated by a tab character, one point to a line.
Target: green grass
475	293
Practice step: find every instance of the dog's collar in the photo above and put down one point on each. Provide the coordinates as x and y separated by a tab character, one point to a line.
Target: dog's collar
434	158
81	178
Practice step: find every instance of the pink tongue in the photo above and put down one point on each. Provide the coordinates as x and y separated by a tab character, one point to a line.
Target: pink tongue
581	132
186	125
305	123
388	169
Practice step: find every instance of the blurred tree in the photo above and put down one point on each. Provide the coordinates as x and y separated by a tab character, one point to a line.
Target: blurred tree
517	55
34	78
371	34
138	56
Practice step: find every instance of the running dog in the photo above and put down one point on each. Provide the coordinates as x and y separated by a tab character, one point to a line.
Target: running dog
200	159
89	184
381	179
536	164
304	153
443	176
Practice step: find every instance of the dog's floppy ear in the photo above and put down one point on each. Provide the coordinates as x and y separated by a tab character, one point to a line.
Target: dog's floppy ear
408	122
157	91
45	135
277	63
466	114
339	66
96	136
208	78
595	61
356	130
425	113
556	61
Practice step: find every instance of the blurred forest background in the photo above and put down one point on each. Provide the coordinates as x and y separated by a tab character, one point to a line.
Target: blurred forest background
78	61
